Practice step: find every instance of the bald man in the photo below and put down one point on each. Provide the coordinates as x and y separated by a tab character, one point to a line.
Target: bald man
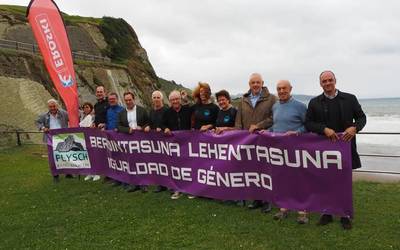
156	119
177	117
255	113
335	112
53	119
157	112
289	116
254	110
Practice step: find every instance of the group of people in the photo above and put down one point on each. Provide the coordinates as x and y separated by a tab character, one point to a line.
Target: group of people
328	114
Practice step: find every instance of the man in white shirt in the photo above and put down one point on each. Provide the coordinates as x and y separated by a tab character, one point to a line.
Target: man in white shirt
132	118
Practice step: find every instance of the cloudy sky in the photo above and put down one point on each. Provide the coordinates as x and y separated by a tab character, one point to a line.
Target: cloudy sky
222	42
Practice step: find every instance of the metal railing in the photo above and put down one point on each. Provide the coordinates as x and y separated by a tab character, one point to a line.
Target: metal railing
34	49
378	155
19	136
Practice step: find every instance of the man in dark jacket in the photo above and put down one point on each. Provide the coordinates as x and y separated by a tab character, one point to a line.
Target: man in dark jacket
155	120
157	112
335	112
177	117
100	108
130	119
100	112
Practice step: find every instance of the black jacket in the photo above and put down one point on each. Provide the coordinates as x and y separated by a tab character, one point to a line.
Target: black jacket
100	111
177	120
351	114
156	118
142	119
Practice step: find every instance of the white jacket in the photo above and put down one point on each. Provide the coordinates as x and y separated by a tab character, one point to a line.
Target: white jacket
87	121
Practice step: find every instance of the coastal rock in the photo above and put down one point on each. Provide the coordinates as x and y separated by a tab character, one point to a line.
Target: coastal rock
26	85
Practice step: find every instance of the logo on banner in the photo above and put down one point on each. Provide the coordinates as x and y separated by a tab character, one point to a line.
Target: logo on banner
70	151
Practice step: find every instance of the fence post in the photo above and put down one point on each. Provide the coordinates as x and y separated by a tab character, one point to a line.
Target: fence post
18	138
16	45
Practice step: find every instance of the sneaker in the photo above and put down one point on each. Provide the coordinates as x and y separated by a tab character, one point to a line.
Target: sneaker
175	195
346	223
96	177
325	220
191	197
88	177
302	219
281	215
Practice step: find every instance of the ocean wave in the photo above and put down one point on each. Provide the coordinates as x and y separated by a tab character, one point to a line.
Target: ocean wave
386	123
384	116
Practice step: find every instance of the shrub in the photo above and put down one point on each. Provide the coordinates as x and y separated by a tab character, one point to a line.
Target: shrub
118	35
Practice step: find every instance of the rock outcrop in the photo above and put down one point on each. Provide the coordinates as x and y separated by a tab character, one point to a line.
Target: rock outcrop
25	84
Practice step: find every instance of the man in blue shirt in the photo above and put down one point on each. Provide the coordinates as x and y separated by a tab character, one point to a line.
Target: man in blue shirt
112	119
288	116
113	111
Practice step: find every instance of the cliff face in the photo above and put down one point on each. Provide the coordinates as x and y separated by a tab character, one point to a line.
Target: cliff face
26	86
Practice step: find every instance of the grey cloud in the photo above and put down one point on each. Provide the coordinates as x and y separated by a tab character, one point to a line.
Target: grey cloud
224	41
388	49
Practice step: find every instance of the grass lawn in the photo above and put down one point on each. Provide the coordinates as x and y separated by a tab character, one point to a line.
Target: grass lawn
73	214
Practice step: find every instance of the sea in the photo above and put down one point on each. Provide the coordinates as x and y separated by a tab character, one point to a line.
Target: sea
383	115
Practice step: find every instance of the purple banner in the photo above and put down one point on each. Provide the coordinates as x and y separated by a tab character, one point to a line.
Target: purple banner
306	172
